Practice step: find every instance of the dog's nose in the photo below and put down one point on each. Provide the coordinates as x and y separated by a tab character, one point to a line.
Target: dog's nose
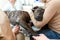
37	17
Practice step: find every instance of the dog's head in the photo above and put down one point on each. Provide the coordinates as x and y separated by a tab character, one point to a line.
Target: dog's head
38	13
17	16
13	16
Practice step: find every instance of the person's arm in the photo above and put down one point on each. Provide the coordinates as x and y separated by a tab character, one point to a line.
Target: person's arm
5	30
48	14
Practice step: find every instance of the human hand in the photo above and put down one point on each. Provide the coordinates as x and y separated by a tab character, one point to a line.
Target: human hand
15	29
40	37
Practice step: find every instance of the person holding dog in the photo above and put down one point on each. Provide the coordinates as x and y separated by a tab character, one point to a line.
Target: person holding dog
52	17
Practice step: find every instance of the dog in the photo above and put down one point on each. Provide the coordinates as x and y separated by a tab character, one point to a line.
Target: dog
22	18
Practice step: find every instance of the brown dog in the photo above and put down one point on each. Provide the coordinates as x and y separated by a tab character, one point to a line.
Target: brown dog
21	18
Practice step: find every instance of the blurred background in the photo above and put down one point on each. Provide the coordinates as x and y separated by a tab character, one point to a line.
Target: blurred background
25	3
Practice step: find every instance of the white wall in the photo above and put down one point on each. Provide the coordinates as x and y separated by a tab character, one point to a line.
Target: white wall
2	3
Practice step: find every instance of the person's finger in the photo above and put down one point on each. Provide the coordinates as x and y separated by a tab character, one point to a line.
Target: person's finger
41	34
34	37
17	26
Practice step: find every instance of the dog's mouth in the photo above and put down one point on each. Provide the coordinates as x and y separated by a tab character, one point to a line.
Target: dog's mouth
39	18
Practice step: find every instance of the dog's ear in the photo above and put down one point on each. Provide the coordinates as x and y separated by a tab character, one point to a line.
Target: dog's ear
34	8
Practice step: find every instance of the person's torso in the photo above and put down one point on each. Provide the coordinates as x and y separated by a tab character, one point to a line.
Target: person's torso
54	23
